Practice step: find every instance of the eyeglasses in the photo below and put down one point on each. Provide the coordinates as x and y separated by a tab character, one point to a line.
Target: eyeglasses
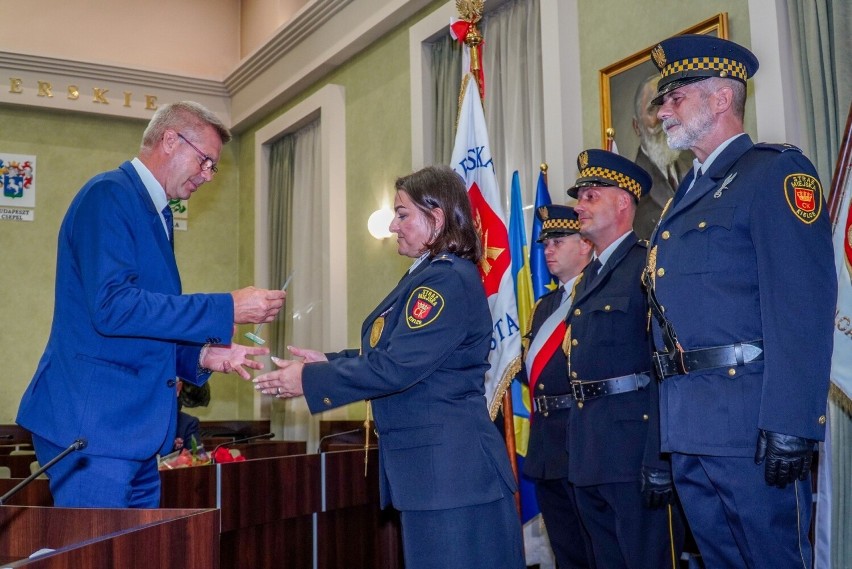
207	163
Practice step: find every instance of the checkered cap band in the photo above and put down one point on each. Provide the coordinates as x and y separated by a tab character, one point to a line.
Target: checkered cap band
624	182
734	69
560	224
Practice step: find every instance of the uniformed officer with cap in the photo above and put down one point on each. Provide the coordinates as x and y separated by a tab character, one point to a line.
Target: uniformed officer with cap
743	289
546	463
622	483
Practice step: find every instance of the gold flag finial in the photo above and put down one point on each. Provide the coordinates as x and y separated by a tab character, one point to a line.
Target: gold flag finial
471	12
543	167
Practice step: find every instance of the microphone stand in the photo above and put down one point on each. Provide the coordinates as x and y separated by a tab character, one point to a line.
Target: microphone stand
340	434
79	444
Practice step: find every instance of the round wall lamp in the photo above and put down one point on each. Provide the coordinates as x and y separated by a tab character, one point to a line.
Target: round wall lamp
379	222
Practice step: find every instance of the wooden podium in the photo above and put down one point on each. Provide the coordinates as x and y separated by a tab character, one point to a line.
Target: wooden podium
106	539
297	511
300	511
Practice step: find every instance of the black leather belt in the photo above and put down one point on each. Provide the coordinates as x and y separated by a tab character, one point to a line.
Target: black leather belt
547	403
585	390
683	362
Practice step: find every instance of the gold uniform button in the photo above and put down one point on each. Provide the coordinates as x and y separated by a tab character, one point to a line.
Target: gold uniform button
607	308
822	419
541	386
579	404
577	312
732	372
546	413
574	342
326	400
661	271
702	225
645	417
574	375
666	234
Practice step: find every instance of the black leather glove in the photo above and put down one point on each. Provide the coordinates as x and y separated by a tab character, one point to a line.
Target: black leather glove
788	457
657	487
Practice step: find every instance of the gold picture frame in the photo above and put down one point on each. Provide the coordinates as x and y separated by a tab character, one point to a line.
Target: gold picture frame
619	81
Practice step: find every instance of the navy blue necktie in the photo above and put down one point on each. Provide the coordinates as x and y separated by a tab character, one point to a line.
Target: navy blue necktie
170	224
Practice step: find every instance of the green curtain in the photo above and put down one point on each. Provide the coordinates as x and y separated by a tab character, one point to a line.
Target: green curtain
281	176
821	39
446	70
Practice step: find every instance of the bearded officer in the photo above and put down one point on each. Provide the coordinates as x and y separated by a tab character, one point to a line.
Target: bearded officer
743	287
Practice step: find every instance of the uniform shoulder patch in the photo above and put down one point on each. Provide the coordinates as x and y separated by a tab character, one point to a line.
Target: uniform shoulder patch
785	147
423	307
804	196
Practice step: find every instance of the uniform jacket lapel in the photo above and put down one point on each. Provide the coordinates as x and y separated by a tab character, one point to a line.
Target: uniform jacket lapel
713	178
611	263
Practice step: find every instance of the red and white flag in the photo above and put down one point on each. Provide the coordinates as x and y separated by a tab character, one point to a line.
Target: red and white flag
841	361
471	158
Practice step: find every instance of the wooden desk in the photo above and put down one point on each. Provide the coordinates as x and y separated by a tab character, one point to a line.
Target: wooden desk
107	538
293	511
19	464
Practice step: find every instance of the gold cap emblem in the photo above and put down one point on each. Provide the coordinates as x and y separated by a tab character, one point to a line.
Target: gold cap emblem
583	160
659	56
542	211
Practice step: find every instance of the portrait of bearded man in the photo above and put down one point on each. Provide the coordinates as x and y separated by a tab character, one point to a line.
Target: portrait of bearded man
666	166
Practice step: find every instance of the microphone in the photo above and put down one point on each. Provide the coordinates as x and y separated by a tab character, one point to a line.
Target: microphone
340	434
79	444
238	441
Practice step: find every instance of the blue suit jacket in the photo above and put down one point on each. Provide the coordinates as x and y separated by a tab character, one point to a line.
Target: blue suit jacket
438	448
611	437
121	329
740	264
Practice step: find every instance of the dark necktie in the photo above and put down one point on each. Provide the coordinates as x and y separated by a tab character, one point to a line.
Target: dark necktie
170	224
592	272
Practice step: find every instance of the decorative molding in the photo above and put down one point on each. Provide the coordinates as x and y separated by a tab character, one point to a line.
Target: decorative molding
54	83
320	37
304	23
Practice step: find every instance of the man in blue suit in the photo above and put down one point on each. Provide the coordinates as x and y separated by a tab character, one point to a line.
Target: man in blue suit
622	484
122	331
743	286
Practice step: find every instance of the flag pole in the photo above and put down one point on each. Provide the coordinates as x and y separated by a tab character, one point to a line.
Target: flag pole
471	12
610	138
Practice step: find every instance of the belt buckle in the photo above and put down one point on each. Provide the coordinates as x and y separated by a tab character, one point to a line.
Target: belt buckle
577	391
541	404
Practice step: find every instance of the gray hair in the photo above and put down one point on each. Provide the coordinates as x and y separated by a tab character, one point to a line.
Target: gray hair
183	117
738	90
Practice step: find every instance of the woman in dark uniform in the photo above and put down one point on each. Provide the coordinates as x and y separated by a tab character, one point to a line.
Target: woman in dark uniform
422	363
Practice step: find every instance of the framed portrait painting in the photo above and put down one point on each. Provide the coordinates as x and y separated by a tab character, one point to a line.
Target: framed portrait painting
620	82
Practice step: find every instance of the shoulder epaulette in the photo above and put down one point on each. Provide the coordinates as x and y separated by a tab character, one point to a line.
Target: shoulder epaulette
777	147
443	258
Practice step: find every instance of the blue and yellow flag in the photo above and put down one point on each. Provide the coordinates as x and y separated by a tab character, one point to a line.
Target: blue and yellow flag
542	281
520	391
520	254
